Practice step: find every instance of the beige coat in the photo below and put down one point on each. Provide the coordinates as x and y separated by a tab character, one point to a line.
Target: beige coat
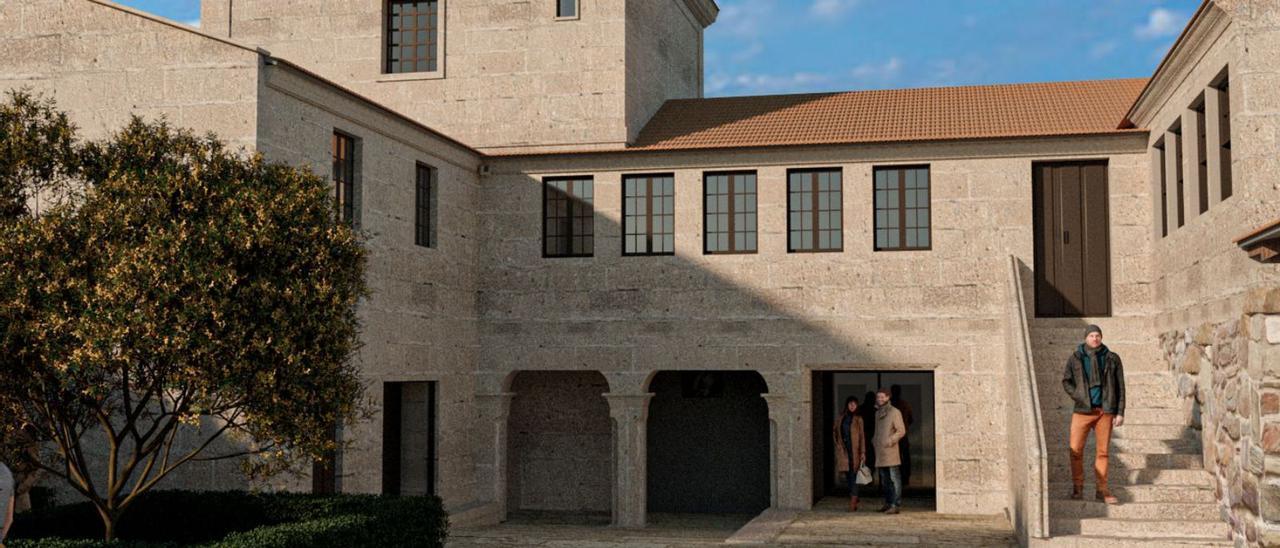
889	431
858	443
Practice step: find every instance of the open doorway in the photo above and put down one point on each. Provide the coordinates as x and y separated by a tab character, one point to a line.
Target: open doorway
915	399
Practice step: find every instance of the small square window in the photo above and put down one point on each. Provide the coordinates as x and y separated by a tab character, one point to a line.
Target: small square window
566	9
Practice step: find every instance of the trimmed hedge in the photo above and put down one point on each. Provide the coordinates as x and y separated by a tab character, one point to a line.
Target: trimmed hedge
237	519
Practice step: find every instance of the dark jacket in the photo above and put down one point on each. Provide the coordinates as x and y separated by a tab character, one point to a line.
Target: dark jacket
1075	385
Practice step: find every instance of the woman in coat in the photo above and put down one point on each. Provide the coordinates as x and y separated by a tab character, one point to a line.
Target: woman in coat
851	447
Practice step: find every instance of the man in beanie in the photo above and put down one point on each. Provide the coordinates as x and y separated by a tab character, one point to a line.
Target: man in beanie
1094	378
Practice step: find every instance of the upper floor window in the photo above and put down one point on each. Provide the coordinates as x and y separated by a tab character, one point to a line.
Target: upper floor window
424	218
902	208
814	212
344	175
566	9
1222	119
568	217
413	35
648	209
730	212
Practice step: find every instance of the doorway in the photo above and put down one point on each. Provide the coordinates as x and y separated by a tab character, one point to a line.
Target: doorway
916	402
1072	239
409	438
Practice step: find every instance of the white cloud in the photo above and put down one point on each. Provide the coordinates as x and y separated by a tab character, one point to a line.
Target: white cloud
749	52
192	22
831	8
757	84
887	70
743	20
1161	22
1102	49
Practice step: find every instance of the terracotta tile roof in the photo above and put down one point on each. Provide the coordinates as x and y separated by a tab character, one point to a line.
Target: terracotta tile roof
971	112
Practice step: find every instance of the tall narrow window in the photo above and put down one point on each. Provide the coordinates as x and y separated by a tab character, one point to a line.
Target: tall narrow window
566	8
1158	174
1179	186
344	175
648	209
814	212
1202	161
1223	145
730	212
413	35
424	219
902	208
568	222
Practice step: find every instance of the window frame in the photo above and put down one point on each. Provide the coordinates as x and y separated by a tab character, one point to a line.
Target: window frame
346	208
570	214
731	213
387	75
902	207
817	230
424	214
577	11
648	214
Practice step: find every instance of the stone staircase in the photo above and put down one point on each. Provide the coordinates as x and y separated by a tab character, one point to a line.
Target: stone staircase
1156	465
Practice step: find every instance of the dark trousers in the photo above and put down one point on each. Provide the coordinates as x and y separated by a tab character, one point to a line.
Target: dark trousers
891	484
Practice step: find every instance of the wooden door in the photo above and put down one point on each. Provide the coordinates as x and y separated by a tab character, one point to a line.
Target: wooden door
1072	239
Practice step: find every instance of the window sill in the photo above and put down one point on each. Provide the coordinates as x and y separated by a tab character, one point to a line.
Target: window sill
573	18
411	76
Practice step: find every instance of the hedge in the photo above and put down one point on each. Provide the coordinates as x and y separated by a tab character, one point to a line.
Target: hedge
237	519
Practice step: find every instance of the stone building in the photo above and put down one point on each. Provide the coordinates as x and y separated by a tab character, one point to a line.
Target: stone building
595	290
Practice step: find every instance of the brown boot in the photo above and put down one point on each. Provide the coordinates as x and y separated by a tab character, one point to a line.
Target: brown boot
1077	492
853	503
1104	495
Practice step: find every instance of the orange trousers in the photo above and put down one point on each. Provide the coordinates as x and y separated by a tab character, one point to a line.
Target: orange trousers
1081	424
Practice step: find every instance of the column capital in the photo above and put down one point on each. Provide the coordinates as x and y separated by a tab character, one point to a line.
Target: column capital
628	406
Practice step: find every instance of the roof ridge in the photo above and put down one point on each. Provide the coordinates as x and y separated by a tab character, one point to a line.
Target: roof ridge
920	88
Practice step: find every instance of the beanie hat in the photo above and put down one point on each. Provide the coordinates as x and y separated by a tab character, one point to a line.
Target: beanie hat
1092	329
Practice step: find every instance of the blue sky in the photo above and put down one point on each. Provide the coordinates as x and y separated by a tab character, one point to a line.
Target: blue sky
791	46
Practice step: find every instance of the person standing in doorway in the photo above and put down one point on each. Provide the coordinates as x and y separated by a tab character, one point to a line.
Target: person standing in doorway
7	487
908	417
868	413
851	447
889	431
1094	379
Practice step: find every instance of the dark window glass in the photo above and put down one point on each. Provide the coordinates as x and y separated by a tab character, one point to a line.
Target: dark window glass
814	212
1202	160
1224	134
566	8
424	207
568	226
412	35
648	210
1164	190
730	213
1180	181
344	175
902	208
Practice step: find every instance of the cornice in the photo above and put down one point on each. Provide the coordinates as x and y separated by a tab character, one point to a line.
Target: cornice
1208	24
705	11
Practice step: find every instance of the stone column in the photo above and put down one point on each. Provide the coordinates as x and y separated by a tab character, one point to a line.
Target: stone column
491	462
630	414
790	461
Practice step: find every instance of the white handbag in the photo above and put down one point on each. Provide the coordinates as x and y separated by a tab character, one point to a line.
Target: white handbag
864	475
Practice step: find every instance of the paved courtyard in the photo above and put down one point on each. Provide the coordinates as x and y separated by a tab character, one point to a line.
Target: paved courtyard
828	524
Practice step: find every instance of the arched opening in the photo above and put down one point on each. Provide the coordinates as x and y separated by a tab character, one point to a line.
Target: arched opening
708	443
560	446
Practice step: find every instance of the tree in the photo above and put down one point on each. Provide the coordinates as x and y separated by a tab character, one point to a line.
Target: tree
177	284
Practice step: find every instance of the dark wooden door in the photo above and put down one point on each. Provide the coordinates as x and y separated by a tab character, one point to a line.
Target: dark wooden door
1072	239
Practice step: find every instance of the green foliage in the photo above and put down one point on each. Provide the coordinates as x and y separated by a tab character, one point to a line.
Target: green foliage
237	519
37	145
183	284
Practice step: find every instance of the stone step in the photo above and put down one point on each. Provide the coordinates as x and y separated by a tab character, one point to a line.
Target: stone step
1129	445
1149	530
1134	461
1144	493
1092	541
1138	431
1149	476
1088	508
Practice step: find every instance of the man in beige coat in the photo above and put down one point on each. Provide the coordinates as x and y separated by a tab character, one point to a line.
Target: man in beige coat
889	431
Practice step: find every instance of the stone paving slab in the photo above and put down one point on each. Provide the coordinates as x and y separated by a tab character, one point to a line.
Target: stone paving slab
828	524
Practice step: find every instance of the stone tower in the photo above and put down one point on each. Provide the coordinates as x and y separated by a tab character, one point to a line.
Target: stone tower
500	75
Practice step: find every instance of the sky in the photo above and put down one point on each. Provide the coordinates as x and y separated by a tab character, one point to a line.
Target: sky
759	47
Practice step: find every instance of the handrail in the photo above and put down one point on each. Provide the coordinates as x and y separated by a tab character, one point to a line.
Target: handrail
1030	500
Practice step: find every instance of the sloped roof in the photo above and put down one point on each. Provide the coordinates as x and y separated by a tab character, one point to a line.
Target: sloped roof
923	114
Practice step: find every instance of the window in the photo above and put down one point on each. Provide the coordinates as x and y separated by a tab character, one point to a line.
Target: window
1223	121
814	220
730	212
413	36
566	9
1158	175
1201	173
344	175
424	200
1174	140
648	209
902	208
568	225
